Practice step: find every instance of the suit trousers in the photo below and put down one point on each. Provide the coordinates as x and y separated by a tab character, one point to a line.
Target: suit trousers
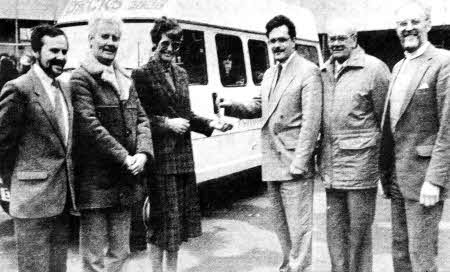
42	243
292	206
104	238
350	215
415	230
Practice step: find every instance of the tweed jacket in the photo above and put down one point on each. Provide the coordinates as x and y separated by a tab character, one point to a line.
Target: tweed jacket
106	130
419	148
34	158
173	152
290	118
353	105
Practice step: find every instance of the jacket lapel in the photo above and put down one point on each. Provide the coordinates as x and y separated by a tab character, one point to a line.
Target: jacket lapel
388	96
46	106
67	98
167	86
268	85
414	84
286	78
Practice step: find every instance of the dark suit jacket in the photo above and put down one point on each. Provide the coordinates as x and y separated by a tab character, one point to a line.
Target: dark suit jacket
173	152
419	148
33	157
291	118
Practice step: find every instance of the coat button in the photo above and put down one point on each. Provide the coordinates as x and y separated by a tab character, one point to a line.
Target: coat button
127	132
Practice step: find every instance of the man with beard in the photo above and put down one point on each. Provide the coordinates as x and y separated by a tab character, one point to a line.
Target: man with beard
415	154
35	155
355	86
113	143
291	106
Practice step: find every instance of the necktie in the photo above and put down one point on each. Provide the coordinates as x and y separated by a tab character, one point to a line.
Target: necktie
272	91
59	114
280	67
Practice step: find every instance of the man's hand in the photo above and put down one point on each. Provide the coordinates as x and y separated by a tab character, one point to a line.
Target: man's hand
219	125
295	172
178	125
429	194
139	163
223	102
129	161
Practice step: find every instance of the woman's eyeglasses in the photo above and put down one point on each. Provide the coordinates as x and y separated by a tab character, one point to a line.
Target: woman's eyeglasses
176	45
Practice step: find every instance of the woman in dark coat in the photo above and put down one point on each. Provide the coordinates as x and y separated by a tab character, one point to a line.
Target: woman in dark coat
162	87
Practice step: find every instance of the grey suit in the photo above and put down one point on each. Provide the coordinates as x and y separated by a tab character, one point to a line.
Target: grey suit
417	150
37	162
291	113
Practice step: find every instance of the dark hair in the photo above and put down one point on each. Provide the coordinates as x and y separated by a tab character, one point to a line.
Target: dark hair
40	31
164	25
278	21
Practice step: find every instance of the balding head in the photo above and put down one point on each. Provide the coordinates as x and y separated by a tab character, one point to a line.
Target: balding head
342	38
413	24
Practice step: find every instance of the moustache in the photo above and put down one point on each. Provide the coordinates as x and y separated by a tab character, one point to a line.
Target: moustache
58	62
337	48
406	33
278	50
110	48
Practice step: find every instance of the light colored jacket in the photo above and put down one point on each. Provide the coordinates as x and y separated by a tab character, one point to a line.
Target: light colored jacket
353	104
291	118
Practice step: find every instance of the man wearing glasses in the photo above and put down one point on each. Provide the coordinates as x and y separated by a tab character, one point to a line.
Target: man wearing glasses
355	85
291	106
416	142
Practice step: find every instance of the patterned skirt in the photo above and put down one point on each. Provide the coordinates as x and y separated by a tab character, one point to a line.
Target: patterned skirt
175	210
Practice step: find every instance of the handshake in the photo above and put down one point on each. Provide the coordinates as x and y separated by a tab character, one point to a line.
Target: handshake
181	125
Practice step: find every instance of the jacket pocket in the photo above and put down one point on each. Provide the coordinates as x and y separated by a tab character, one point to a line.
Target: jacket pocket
32	175
357	142
424	151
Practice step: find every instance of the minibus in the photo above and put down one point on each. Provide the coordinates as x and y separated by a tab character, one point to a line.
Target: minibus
224	51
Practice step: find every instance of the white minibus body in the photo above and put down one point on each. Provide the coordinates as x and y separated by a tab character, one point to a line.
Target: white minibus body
213	31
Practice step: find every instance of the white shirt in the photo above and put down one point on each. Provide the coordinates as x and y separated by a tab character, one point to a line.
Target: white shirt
51	93
401	84
283	67
419	52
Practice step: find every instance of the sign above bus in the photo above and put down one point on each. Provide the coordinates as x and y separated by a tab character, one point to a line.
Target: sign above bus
246	15
77	7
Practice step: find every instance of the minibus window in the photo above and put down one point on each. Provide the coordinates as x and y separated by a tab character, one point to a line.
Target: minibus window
308	52
193	58
231	60
259	59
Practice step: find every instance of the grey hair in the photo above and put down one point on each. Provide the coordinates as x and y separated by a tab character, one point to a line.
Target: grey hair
98	18
343	24
426	9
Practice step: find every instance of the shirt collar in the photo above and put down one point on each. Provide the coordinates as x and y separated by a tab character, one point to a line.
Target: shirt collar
340	65
284	64
42	75
419	52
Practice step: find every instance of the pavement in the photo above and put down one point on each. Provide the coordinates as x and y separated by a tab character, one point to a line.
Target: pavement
238	236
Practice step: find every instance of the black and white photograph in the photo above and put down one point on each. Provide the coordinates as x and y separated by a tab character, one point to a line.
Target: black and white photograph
224	136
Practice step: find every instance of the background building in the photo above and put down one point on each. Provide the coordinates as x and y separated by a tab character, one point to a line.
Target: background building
17	17
375	20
